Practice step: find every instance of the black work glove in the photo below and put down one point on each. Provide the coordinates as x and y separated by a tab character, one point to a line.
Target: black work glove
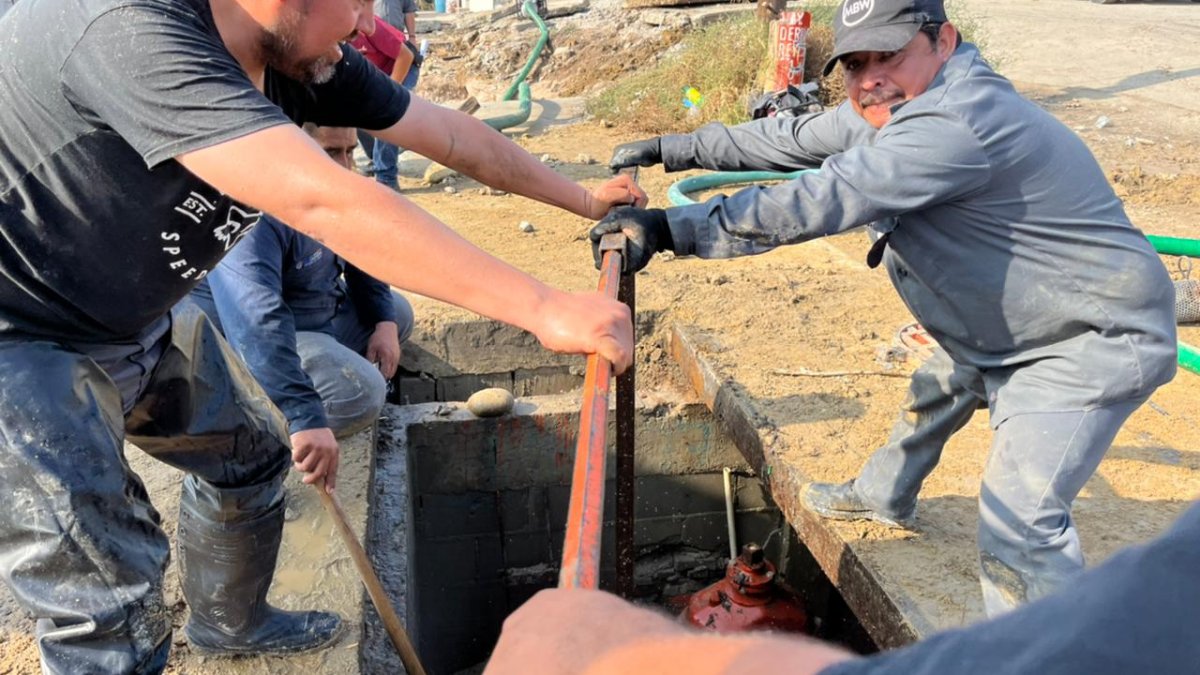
637	153
646	230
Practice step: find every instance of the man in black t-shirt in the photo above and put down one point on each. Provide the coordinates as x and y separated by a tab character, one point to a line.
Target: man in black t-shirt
139	140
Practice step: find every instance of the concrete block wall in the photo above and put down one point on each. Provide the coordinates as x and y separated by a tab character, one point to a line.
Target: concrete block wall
536	445
451	361
489	510
476	347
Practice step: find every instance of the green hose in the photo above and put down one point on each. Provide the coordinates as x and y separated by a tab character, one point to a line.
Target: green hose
502	122
519	85
678	192
1189	357
530	11
1175	245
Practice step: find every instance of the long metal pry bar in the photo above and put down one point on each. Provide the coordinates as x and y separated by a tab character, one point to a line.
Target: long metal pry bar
626	388
585	514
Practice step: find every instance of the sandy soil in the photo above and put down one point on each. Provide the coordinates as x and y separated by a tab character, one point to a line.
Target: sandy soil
1128	89
817	306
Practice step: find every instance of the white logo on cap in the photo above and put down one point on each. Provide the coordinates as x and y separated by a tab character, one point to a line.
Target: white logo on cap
855	11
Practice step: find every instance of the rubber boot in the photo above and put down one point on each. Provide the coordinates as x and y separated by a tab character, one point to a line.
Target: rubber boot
227	561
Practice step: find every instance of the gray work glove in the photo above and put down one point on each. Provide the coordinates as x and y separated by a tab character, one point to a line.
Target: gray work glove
637	153
646	230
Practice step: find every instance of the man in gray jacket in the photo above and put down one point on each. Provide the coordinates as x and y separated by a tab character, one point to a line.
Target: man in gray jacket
1002	235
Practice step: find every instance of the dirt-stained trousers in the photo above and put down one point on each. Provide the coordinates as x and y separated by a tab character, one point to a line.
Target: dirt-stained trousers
80	543
1038	463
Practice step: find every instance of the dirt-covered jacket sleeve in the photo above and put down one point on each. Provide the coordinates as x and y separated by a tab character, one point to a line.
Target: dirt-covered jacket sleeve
920	159
768	144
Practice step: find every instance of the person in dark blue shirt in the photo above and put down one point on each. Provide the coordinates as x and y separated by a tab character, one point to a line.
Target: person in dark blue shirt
320	335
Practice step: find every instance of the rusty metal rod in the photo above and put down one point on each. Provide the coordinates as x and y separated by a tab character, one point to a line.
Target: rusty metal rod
387	613
585	513
626	557
626	293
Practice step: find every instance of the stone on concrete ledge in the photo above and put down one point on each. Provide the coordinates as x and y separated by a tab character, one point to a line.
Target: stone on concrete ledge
492	402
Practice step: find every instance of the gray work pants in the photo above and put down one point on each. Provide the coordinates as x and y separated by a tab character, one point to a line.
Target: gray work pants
80	543
352	389
1038	463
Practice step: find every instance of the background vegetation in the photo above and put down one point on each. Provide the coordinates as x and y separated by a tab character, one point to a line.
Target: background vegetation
729	65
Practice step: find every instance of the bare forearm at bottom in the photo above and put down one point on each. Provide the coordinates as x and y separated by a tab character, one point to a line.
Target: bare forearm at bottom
502	164
710	654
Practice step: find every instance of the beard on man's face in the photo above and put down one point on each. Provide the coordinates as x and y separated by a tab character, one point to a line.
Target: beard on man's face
279	46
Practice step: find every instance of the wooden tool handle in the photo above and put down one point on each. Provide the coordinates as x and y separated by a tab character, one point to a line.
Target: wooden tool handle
391	621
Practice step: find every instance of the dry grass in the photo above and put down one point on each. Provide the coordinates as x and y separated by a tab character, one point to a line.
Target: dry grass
720	61
728	63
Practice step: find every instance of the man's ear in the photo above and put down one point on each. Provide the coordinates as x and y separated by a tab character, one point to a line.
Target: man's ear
948	40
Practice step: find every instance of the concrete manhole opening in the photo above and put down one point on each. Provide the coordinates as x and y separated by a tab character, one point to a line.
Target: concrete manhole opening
468	515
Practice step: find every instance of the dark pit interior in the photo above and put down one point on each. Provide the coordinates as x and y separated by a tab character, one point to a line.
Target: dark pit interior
468	515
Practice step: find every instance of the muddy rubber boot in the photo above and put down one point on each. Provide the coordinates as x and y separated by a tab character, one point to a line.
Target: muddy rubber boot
227	567
840	501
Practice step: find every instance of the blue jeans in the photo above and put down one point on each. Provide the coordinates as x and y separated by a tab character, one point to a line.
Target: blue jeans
383	160
384	155
83	550
352	389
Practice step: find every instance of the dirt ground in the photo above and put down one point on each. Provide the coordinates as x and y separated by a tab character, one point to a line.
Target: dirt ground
1123	76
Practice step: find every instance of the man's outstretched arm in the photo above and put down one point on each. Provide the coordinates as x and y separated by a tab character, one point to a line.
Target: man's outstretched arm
392	239
469	146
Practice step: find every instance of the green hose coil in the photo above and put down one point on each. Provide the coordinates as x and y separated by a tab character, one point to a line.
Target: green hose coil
1175	245
1189	357
678	192
530	11
502	122
519	86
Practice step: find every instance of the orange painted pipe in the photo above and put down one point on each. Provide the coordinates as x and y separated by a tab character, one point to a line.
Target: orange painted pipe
585	513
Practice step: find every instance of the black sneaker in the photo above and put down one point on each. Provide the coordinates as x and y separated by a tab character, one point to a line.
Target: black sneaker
839	501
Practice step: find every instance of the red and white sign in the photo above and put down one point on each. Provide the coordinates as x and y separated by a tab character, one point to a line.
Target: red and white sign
789	36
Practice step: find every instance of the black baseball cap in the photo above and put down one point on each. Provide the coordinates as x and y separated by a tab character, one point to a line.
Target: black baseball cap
880	25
